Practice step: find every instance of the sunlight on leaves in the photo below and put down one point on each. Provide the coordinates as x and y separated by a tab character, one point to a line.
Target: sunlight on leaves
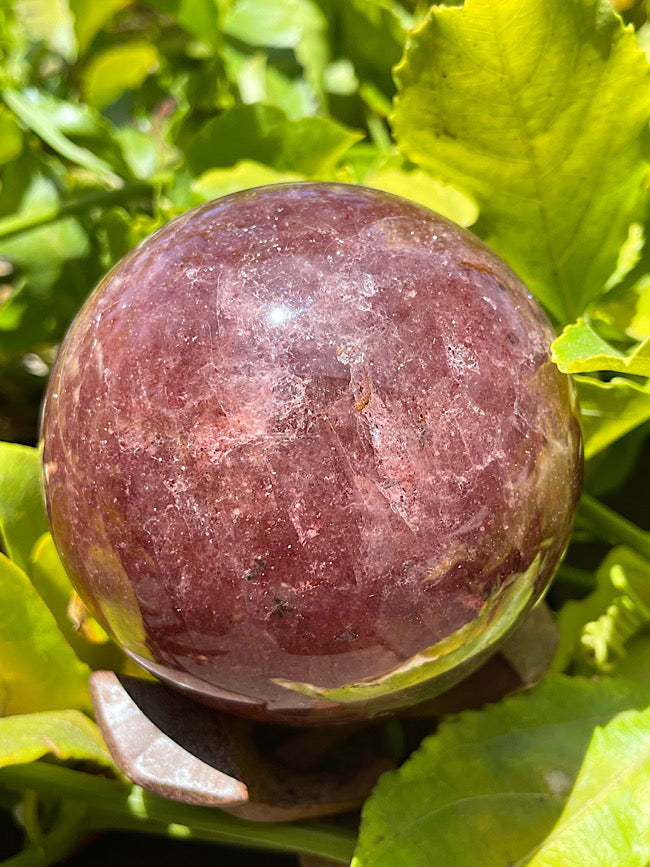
490	785
38	668
90	16
246	174
22	512
607	818
66	735
594	630
580	349
430	192
261	133
526	106
28	106
117	69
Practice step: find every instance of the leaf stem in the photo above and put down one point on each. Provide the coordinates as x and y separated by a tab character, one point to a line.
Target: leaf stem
17	223
117	806
55	845
616	529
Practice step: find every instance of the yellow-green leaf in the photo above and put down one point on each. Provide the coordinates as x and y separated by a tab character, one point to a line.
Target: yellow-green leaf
606	820
539	111
66	735
22	513
116	69
38	668
580	349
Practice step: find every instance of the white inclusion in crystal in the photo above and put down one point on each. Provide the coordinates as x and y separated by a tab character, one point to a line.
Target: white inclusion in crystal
278	315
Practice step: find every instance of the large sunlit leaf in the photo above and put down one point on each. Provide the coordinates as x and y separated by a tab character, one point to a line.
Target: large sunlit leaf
491	784
67	735
22	513
607	818
539	111
580	349
38	668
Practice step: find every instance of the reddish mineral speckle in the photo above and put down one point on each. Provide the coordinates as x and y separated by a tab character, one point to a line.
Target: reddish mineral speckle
298	437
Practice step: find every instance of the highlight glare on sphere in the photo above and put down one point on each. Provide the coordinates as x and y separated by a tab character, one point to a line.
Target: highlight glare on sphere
306	455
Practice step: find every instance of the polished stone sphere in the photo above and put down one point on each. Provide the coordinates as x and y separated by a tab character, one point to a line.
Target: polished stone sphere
306	455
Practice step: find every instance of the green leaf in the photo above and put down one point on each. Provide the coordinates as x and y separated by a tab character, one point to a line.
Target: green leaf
35	112
49	21
430	192
607	818
580	349
635	665
22	513
198	17
371	34
258	81
53	257
243	176
595	628
67	735
610	410
490	784
90	16
11	137
292	24
626	309
82	632
117	69
38	668
273	24
538	110
263	134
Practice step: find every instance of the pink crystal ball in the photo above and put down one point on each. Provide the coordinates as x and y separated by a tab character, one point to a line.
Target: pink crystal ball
306	456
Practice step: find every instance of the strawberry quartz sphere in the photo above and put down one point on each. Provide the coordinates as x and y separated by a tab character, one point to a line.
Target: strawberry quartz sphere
306	455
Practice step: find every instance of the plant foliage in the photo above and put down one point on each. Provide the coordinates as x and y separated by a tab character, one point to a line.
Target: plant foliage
524	119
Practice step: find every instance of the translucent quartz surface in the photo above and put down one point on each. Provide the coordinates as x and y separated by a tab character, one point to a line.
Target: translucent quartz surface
306	453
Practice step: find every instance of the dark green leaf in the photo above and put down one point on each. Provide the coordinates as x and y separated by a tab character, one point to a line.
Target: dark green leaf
610	410
198	17
263	134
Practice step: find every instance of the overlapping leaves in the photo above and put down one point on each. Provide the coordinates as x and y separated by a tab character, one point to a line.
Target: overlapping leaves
519	103
524	119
